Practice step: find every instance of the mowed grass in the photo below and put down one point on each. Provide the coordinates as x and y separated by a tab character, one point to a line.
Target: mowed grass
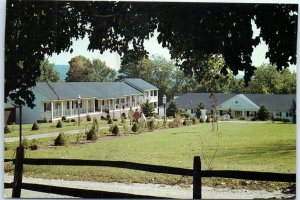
241	146
51	127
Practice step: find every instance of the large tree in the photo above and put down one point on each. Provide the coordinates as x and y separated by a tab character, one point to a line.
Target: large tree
83	70
192	31
48	72
268	80
101	72
80	69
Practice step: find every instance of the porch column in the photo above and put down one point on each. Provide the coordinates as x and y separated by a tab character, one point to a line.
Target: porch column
125	102
93	103
87	106
243	113
62	108
70	107
52	110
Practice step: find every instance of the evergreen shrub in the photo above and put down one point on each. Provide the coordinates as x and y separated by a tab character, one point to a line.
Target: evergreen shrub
59	124
61	140
6	129
35	126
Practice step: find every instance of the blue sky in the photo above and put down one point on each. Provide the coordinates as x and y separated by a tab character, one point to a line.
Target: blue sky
113	59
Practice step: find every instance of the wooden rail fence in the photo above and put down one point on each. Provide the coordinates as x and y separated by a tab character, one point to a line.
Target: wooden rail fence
196	173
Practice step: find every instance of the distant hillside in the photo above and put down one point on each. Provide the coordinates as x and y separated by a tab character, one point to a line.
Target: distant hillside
62	70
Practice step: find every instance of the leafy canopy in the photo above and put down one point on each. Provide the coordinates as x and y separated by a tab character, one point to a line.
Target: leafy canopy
82	69
48	73
192	32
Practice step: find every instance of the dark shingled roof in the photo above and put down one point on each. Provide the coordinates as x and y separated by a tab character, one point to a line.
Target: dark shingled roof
191	100
275	102
139	84
71	90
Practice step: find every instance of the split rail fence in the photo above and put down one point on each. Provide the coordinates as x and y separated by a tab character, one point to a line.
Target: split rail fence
196	173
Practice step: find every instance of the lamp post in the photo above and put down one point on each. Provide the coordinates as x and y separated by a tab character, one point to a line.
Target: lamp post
164	102
78	102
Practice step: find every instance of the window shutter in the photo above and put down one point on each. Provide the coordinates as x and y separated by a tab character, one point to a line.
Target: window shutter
45	107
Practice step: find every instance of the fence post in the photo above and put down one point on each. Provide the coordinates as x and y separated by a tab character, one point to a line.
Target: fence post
16	192
197	178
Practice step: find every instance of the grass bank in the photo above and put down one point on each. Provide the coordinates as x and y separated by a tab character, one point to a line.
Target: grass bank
241	146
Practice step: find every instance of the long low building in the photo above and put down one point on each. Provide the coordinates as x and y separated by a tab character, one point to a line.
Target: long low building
241	105
57	99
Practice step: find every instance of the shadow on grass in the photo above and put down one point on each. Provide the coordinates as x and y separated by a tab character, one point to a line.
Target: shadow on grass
281	149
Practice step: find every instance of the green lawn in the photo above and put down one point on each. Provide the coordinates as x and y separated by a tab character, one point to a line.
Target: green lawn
242	146
50	127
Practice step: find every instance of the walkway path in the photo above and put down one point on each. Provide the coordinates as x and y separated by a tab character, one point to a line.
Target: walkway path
144	189
45	135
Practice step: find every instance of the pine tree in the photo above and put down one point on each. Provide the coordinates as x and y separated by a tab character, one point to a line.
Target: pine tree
172	109
147	108
263	113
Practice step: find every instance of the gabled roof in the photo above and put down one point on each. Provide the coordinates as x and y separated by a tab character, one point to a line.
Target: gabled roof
139	84
237	102
274	102
192	100
71	90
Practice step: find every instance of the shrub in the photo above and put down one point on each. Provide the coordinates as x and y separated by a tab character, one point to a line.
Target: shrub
194	120
125	128
123	121
263	113
88	118
33	145
61	140
115	120
141	125
285	120
242	118
201	120
209	120
177	120
253	119
115	130
35	126
123	115
103	118
59	124
151	125
110	121
277	118
46	119
73	120
92	134
25	143
79	136
134	128
185	115
186	122
64	118
6	129
108	117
